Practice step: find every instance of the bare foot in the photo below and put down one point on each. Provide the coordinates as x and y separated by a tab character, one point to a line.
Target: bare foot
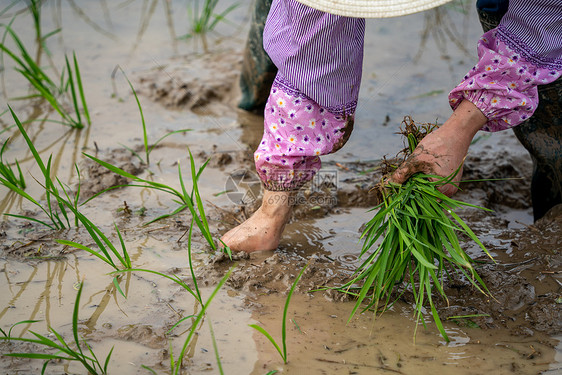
263	230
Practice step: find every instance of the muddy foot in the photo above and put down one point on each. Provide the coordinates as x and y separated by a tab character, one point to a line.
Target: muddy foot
263	230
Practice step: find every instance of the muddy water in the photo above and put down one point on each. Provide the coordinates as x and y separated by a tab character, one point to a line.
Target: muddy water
410	64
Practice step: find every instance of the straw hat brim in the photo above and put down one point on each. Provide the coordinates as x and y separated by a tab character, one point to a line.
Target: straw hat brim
372	8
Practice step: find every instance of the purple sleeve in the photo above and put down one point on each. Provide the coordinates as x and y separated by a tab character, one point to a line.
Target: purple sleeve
524	51
318	54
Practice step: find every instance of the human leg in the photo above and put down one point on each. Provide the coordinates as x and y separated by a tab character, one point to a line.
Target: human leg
258	71
297	131
263	230
309	111
541	135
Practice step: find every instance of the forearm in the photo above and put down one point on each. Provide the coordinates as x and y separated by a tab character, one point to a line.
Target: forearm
464	123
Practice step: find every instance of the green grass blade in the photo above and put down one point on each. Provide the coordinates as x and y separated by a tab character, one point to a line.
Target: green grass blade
37	356
126	258
179	322
32	219
175	280
189	202
118	287
216	348
173	213
197	195
78	122
470	233
166	136
149	369
17	324
134	153
198	319
106	258
287	301
81	89
268	336
32	148
144	132
435	314
75	318
190	260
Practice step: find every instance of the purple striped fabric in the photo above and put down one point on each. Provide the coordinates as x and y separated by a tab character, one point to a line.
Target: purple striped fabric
533	28
319	55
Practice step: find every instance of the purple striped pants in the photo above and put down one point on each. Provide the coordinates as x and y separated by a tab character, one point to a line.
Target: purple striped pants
310	108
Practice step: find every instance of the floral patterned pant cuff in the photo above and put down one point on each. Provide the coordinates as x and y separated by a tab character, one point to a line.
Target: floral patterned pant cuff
297	131
503	85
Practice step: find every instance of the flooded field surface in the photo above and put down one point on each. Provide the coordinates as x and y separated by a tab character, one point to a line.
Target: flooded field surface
187	308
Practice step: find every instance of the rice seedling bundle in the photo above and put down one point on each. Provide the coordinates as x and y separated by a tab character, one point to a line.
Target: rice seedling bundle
413	238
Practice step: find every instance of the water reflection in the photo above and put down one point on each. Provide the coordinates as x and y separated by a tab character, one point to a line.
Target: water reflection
441	26
84	17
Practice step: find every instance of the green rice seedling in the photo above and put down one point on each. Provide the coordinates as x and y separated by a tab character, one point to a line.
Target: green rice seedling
176	364
466	320
64	350
414	234
149	369
34	7
9	334
226	250
282	353
46	87
67	205
147	148
107	250
187	200
173	278
195	292
205	20
8	173
216	348
56	212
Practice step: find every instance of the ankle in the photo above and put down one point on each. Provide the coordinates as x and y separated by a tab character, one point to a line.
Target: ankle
277	204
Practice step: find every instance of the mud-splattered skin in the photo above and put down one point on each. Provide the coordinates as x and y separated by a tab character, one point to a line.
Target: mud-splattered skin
37	274
443	150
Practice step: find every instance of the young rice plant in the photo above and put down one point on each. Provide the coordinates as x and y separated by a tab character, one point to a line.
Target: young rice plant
147	148
413	237
56	209
282	353
187	200
46	87
206	19
64	350
7	174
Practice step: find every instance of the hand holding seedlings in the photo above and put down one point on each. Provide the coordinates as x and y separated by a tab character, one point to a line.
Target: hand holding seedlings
443	150
311	105
412	240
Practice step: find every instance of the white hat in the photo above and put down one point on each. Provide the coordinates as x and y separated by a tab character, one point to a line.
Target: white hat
372	8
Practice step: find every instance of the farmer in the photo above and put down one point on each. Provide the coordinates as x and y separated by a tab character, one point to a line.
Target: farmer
310	108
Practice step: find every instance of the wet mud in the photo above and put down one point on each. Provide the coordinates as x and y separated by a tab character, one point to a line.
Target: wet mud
523	281
517	331
180	83
97	178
